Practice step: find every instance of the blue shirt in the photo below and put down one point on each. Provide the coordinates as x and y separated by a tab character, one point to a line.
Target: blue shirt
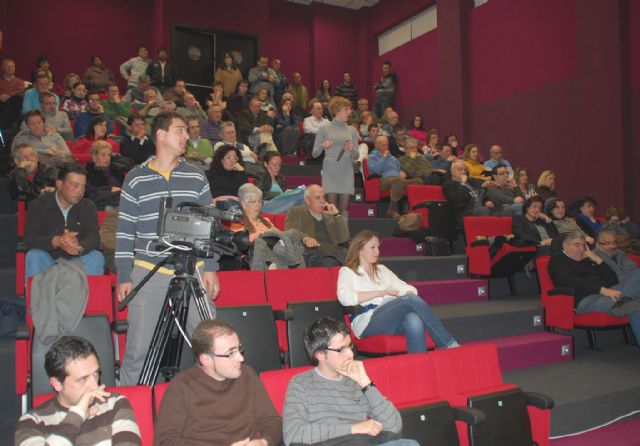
386	166
31	101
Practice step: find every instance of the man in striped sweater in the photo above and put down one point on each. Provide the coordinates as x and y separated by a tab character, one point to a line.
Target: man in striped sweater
336	403
81	413
165	175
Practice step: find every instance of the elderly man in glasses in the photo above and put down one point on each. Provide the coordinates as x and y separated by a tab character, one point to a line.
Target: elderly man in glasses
337	400
219	400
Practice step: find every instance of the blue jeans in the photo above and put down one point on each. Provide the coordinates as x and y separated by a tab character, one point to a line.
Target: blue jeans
38	260
629	287
411	316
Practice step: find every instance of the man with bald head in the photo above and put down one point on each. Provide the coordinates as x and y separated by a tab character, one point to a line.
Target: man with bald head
326	235
191	108
496	158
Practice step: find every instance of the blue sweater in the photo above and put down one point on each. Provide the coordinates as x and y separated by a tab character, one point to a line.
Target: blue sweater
386	166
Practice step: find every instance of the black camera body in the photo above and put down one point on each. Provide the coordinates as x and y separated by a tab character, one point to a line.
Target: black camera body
200	228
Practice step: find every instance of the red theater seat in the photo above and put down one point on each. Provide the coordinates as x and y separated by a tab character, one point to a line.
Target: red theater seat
241	288
559	311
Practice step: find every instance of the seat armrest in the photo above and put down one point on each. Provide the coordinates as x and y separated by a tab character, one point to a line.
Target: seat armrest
120	326
349	309
483	242
469	415
283	315
23	332
373	176
539	400
565	291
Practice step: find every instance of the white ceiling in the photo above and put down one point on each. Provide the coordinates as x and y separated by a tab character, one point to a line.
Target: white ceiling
351	4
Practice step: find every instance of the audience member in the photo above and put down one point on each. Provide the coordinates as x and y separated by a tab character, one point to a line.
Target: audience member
77	103
266	103
81	412
210	128
473	161
55	121
324	93
239	100
547	185
388	167
533	227
432	149
67	84
287	128
465	194
311	125
176	93
163	72
521	178
282	82
277	198
627	232
506	198
50	147
261	76
397	139
387	304
496	158
596	286
115	107
326	234
347	90
254	126
229	137
94	110
365	120
363	106
30	178
98	77
299	91
229	74
97	131
191	109
166	174
392	119
616	259
196	146
226	173
137	94
138	147
338	141
63	224
415	165
250	198
43	65
443	162
337	401
586	217
11	92
219	400
416	129
385	89
556	209
31	100
457	149
217	97
132	69
104	177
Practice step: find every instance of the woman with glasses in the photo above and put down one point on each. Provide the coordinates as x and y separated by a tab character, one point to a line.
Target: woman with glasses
278	199
386	304
226	173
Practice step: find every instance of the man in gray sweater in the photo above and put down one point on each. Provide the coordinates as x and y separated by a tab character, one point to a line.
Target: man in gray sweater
336	402
617	260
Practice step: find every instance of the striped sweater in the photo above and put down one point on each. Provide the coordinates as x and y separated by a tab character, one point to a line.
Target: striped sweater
54	424
140	200
318	409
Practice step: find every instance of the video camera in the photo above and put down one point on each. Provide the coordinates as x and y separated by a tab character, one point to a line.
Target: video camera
200	228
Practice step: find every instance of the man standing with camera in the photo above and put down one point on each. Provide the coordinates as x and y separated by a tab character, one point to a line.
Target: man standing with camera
165	175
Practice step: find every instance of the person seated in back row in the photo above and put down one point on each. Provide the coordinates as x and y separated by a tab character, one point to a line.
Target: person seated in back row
81	412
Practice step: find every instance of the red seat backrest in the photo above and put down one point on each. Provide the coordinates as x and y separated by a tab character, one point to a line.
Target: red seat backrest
467	368
483	226
365	168
22	217
546	284
417	194
158	394
505	224
241	288
101	216
276	382
140	399
277	220
635	258
298	285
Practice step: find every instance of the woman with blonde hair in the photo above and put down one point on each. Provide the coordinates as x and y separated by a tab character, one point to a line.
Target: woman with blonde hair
473	161
339	141
386	304
547	185
521	177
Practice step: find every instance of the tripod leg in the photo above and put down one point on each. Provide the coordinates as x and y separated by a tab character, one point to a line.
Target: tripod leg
200	300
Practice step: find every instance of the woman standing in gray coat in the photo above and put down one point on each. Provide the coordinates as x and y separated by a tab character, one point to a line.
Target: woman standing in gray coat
339	142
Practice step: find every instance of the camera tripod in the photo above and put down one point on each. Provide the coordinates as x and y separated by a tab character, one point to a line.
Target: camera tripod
165	350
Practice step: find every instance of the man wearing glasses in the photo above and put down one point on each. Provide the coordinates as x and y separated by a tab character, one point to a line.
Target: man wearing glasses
219	400
506	198
616	259
336	401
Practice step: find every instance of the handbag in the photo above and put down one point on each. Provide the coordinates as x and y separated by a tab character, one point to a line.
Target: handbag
436	246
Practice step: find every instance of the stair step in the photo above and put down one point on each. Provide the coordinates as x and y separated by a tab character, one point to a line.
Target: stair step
293	160
442	292
297	170
532	350
306	180
413	268
362	210
394	247
383	226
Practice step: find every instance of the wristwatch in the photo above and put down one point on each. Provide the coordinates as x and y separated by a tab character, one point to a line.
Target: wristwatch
368	386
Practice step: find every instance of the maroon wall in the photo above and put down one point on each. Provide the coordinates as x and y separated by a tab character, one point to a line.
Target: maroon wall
633	150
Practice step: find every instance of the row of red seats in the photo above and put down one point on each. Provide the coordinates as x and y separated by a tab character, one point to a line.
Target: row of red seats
467	376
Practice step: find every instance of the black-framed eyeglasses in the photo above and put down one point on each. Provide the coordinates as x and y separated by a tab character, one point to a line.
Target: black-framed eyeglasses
342	350
231	354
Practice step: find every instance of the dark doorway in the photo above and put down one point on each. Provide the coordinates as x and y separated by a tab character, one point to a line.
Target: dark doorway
198	51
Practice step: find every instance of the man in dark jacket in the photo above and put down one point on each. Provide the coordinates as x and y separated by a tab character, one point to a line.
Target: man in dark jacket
162	72
63	224
465	194
595	285
30	178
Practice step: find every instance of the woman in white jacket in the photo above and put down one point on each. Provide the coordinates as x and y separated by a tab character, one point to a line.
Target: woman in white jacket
389	305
